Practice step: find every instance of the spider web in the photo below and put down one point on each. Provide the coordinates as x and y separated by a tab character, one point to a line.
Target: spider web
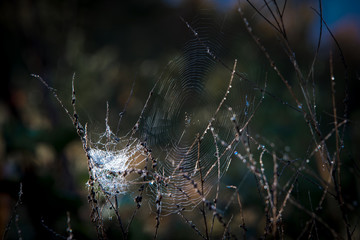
184	139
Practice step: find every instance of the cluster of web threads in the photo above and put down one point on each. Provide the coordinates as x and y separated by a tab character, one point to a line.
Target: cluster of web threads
112	162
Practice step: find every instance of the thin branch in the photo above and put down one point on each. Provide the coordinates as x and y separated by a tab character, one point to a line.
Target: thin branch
316	217
337	176
198	164
121	114
117	214
274	190
243	225
14	212
226	230
52	231
191	224
69	229
263	16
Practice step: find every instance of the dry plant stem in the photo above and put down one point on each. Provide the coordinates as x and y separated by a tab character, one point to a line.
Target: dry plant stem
202	210
281	14
267	55
17	215
241	76
239	130
158	209
298	173
213	116
337	154
265	181
121	114
82	133
314	223
311	71
336	42
273	15
116	210
224	98
273	65
215	140
138	200
316	149
136	126
191	224
69	229
95	210
209	204
314	216
337	176
57	235
218	182
47	228
92	199
287	197
274	190
326	187
218	164
14	212
311	114
343	62
305	229
243	225
277	28
226	232
309	117
251	166
18	227
318	208
288	49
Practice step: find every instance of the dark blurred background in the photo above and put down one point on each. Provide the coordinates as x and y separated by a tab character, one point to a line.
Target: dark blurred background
109	45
